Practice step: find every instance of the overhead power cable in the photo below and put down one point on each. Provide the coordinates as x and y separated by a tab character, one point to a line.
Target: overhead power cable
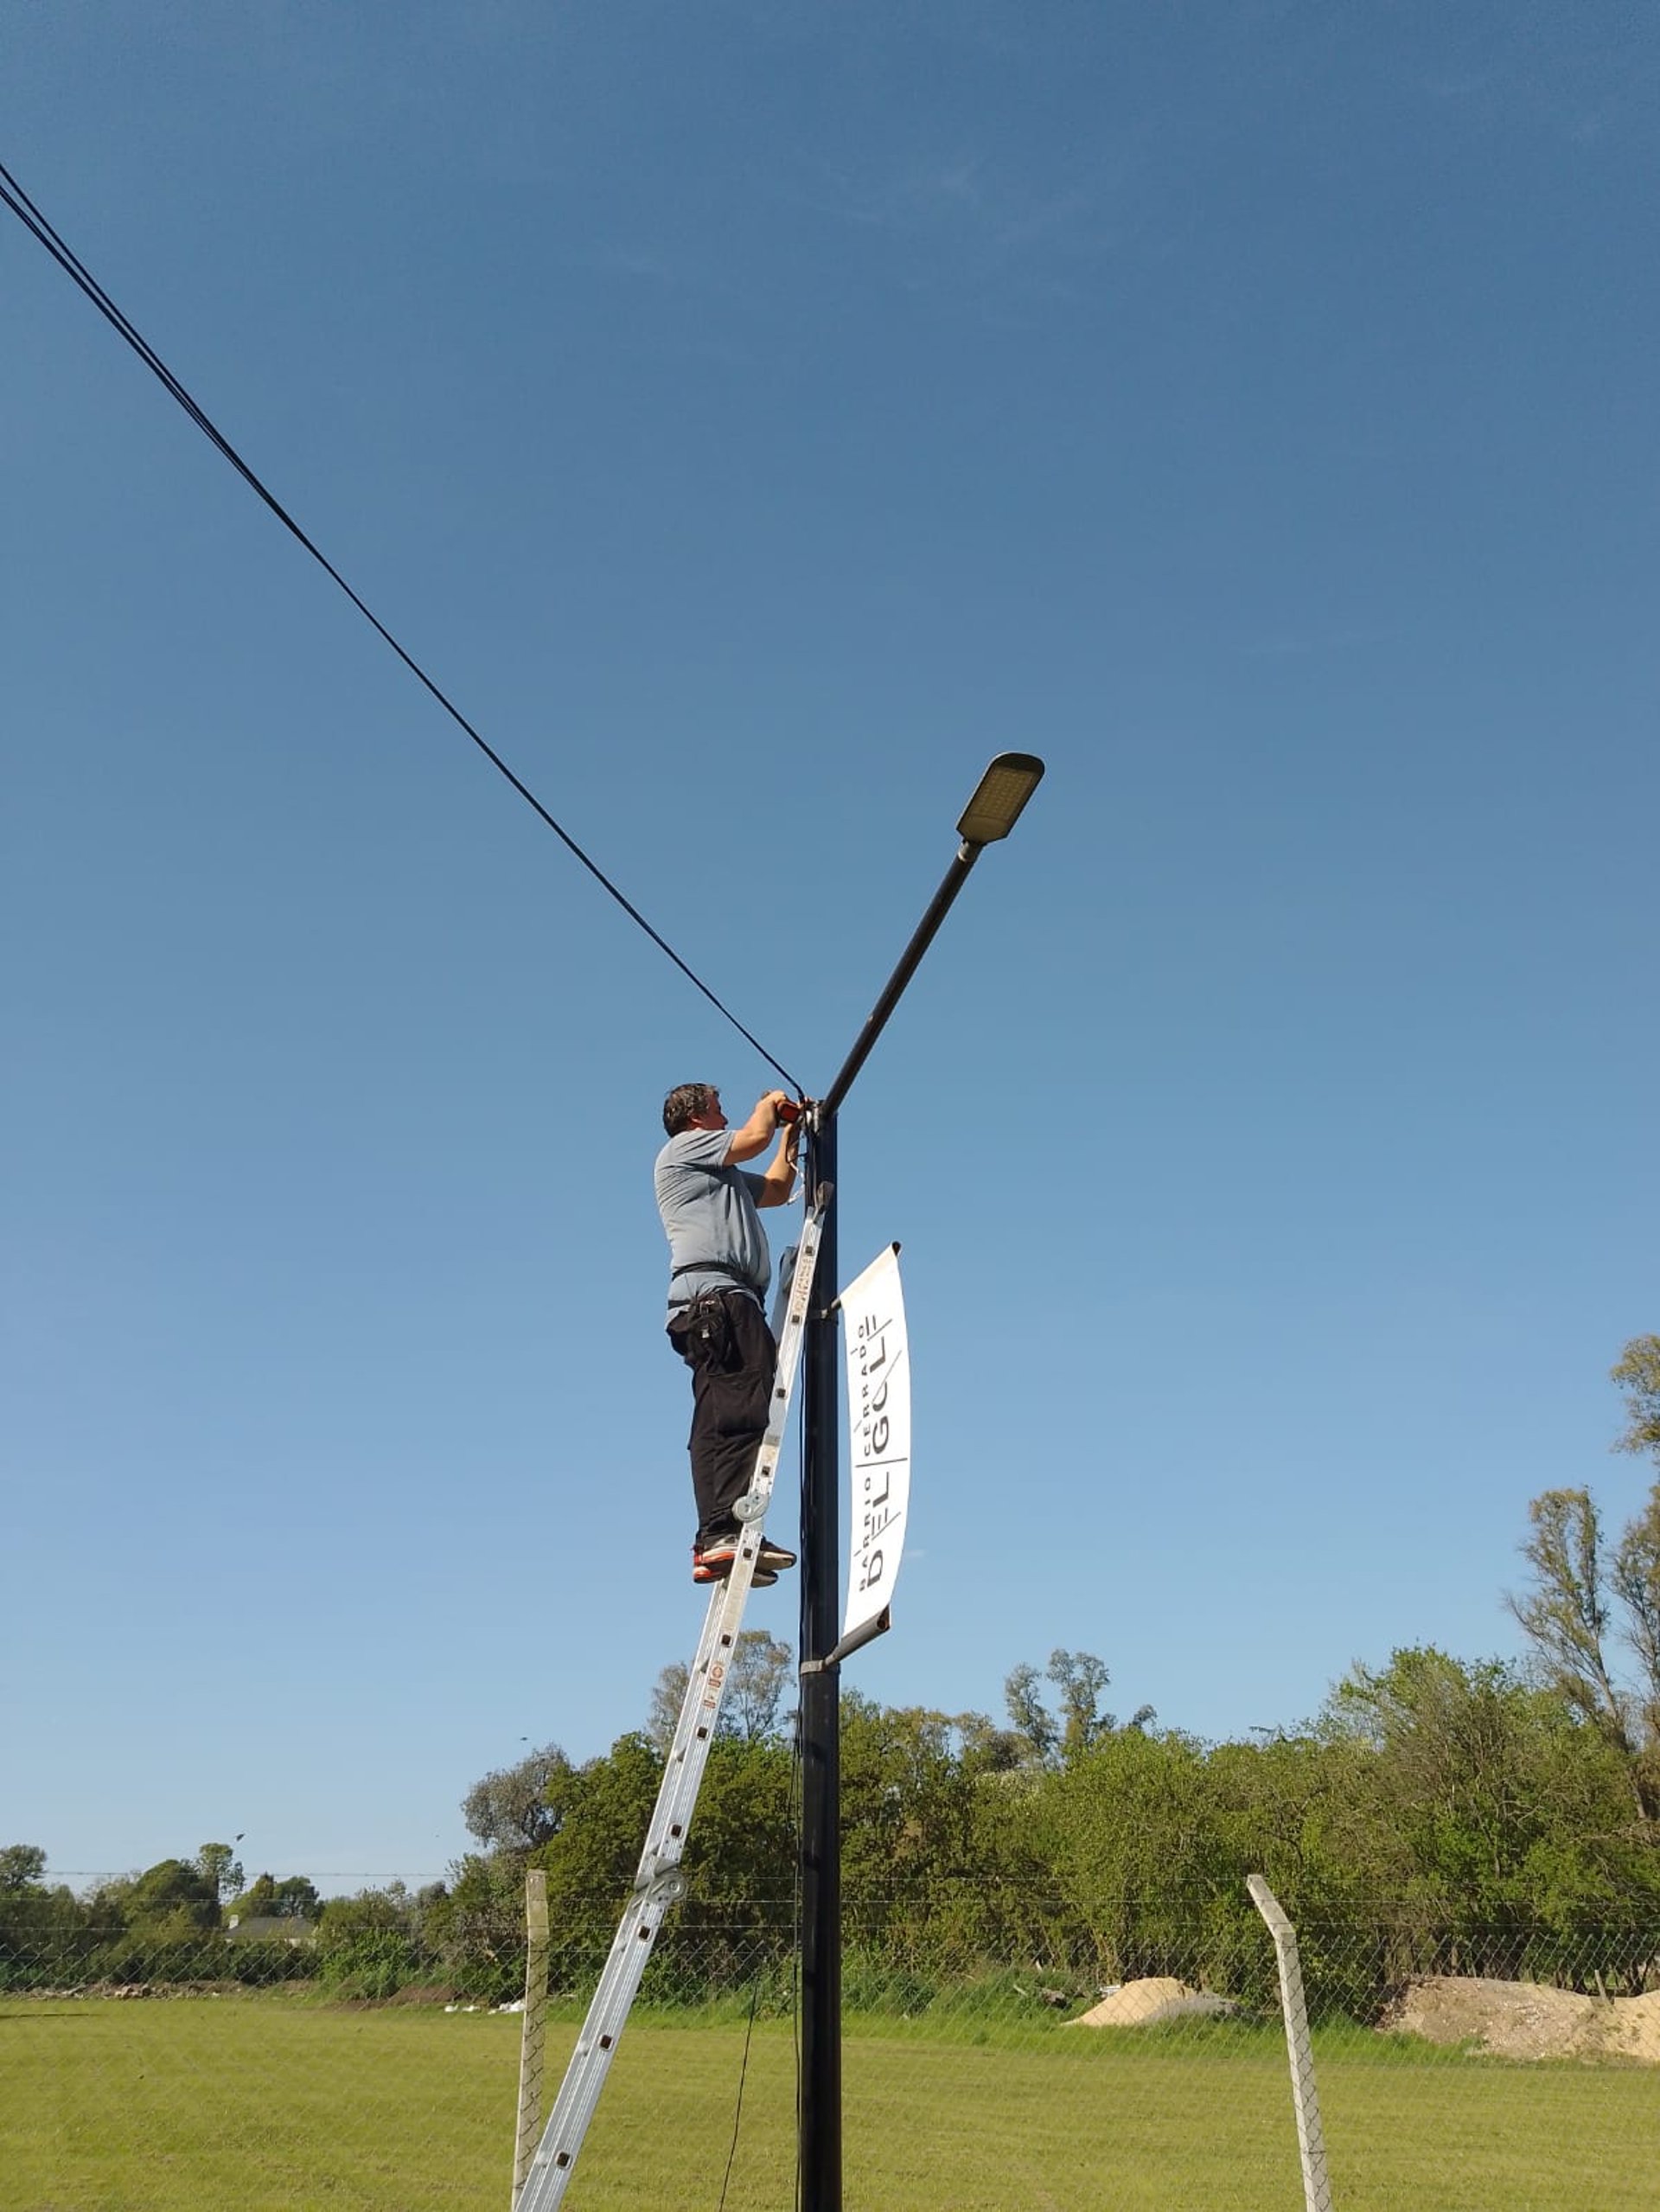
33	220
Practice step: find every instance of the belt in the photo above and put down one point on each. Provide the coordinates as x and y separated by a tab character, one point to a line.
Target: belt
689	1301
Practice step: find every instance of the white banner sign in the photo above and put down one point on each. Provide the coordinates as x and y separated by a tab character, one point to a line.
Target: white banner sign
879	1412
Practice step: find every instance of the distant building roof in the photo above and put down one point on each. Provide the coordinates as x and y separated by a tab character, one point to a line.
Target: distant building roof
271	1928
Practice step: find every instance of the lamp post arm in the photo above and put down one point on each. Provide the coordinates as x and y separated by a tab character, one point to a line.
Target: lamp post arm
955	876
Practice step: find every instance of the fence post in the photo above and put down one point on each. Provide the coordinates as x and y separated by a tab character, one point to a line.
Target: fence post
1311	2138
532	2028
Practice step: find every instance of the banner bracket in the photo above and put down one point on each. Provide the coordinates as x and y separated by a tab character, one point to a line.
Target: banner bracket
866	1632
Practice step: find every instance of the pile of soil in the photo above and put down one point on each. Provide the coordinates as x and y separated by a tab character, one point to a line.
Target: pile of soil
1527	2019
1138	2005
1634	2032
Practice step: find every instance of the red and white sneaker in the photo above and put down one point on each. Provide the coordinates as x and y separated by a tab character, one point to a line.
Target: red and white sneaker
712	1561
712	1557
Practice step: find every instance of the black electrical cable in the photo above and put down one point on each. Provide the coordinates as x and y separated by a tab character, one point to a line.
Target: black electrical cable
796	1787
33	220
743	2078
797	1818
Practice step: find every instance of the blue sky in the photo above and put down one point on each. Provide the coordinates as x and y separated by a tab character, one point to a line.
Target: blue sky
757	417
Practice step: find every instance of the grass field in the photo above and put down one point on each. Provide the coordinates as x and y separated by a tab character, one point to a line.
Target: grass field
271	2104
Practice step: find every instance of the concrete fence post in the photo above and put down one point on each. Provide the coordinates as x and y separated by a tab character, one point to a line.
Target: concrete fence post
1311	2138
533	2028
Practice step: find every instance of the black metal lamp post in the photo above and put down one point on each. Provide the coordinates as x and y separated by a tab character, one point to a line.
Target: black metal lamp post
1000	795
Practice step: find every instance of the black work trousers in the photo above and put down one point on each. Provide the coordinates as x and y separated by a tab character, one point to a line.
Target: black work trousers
725	1341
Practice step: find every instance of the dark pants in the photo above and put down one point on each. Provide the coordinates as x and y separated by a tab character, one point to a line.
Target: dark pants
725	1341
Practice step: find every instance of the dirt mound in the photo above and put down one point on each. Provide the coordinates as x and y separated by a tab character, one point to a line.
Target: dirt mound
1527	2019
1634	2031
1138	2004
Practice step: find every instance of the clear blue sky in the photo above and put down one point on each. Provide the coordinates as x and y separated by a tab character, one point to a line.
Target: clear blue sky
757	416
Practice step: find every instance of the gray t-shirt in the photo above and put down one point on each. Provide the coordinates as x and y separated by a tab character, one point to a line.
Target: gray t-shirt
709	1217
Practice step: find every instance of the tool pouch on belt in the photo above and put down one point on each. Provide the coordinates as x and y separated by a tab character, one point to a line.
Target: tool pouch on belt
703	1333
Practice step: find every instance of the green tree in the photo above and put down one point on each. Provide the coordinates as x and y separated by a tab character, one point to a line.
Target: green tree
1035	1727
583	1826
171	1904
738	1915
590	1858
920	1868
519	1808
42	1931
294	1897
1124	1856
1565	1616
608	1809
760	1671
1080	1679
1636	1580
1638	1372
1579	1600
257	1901
477	1922
369	1944
173	1893
1133	1818
1636	1575
1504	1800
367	1912
218	1867
22	1865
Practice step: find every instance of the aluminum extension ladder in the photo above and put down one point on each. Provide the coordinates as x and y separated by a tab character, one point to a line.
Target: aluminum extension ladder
659	1882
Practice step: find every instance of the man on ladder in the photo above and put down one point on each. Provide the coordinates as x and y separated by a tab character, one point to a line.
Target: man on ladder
740	1498
719	1268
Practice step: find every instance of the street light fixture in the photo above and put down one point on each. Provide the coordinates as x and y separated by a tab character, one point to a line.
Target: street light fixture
991	813
998	797
988	817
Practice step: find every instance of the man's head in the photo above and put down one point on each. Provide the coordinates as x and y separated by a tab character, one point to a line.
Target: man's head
692	1106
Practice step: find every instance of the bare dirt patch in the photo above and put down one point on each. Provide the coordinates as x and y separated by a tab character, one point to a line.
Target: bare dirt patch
1634	2031
1140	2003
1527	2019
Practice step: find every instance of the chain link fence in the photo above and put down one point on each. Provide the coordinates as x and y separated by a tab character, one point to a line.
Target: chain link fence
1112	2054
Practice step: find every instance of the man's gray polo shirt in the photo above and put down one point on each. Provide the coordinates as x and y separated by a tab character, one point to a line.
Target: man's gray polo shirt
714	1232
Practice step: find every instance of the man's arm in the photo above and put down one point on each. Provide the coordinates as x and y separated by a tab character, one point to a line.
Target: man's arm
753	1138
779	1179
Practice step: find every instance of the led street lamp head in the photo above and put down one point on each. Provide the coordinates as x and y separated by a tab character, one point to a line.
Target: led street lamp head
1001	792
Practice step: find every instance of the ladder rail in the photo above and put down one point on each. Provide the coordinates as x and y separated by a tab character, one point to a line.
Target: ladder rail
659	1884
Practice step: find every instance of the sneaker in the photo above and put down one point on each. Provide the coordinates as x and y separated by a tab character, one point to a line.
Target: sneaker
712	1557
773	1555
708	1570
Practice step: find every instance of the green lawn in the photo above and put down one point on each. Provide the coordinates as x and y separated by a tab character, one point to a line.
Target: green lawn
237	2104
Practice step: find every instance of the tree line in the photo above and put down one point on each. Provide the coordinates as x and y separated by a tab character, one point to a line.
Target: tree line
1436	1814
